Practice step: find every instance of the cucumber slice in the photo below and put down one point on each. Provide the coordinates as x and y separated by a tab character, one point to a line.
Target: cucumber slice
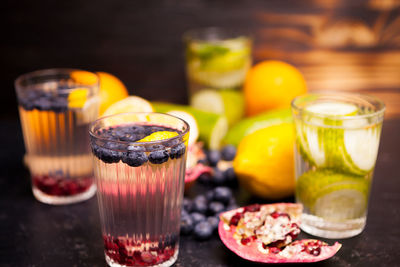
347	145
212	127
333	195
226	102
333	108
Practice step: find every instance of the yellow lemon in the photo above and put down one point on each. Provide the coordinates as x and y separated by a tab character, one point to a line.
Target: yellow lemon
77	98
264	162
111	88
161	135
271	85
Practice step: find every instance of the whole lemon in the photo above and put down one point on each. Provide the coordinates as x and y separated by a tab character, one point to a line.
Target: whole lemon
270	85
264	162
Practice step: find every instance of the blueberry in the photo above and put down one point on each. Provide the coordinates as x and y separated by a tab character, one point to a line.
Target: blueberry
228	152
43	103
213	156
202	161
197	217
109	155
184	213
134	159
138	130
205	178
216	207
59	104
210	195
158	157
230	175
218	177
200	204
213	221
187	204
128	137
177	151
186	224
222	194
203	230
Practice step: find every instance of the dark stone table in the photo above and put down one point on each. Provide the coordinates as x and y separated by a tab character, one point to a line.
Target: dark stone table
36	234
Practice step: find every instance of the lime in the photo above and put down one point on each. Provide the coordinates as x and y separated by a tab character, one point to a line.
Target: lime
156	136
212	127
333	195
264	162
194	128
226	102
250	125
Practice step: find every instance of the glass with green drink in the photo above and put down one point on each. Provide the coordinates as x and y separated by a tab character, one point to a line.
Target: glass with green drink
337	140
217	61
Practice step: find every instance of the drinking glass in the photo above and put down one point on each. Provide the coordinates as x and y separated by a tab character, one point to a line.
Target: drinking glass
139	165
337	140
217	61
56	107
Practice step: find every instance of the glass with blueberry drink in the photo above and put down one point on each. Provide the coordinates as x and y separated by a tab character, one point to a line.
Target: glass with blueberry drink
139	165
56	107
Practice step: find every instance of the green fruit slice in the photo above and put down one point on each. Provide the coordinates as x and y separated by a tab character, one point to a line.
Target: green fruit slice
226	102
346	145
332	195
250	125
212	127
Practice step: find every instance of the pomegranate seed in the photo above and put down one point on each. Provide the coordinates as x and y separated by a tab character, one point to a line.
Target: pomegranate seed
235	219
276	214
252	208
245	240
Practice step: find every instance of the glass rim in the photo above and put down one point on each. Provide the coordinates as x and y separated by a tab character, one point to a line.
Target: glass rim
97	137
54	71
201	34
372	100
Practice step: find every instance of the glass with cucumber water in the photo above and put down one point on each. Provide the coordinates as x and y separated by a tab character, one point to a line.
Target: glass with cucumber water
217	61
337	140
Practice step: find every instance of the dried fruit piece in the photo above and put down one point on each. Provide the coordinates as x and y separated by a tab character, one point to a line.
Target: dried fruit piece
265	233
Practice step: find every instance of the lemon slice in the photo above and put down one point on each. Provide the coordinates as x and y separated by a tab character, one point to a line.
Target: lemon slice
194	128
225	102
157	136
129	104
77	98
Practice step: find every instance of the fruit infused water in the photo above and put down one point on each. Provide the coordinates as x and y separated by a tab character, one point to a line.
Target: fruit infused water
56	107
217	61
139	165
337	140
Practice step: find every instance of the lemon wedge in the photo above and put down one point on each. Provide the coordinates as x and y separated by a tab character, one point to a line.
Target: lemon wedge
157	136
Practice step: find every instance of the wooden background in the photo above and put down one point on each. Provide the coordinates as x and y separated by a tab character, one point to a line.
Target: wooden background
337	44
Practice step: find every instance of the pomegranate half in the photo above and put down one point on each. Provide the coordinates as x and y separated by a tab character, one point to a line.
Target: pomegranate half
266	233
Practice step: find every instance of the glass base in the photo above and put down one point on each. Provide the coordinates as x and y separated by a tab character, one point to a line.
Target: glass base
62	200
319	227
167	263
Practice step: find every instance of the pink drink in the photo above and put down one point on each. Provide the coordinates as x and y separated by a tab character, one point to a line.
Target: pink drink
140	187
55	111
